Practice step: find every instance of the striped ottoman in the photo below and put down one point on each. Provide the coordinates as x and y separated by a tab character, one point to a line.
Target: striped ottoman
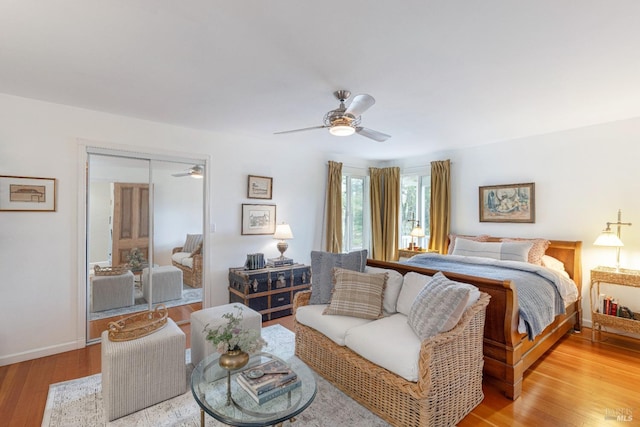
139	373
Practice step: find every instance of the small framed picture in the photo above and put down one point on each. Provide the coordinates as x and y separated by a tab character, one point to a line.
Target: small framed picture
259	187
508	203
26	194
258	219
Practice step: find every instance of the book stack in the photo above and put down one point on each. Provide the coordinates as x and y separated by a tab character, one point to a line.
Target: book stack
268	380
279	262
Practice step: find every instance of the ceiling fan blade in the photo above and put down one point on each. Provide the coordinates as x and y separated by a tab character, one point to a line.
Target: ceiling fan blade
181	174
300	130
373	134
360	104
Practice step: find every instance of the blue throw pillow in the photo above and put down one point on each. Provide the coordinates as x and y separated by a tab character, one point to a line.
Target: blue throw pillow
322	264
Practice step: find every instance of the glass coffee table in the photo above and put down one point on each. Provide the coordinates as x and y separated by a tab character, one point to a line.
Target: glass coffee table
209	387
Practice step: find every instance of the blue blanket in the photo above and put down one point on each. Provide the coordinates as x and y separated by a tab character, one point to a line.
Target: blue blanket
539	300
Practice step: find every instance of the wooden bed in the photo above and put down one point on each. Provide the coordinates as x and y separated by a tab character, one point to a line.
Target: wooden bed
508	353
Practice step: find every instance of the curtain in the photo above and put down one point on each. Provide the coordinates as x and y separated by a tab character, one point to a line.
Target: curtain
334	207
385	213
440	211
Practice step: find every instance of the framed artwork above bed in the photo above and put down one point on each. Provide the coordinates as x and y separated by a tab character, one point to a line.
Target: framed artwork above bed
507	203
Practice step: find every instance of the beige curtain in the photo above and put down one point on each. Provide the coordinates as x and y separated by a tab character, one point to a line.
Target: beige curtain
385	212
334	207
440	212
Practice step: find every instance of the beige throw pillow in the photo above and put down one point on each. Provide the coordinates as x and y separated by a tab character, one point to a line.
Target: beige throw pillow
357	294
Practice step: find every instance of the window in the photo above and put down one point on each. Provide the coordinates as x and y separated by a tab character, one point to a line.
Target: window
415	204
355	209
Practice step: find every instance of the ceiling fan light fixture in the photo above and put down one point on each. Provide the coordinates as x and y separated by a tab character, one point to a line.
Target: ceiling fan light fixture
342	130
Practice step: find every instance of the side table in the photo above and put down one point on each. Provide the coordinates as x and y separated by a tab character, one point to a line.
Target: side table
620	277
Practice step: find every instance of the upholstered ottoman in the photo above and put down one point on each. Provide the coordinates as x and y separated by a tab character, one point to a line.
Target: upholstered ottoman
167	283
200	347
114	291
139	373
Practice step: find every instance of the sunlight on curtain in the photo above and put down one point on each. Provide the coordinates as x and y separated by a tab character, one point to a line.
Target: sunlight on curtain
385	212
334	207
440	205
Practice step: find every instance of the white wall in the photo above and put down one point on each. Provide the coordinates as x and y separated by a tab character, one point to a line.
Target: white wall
39	252
582	177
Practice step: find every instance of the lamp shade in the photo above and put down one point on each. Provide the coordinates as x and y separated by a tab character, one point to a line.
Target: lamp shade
283	232
608	238
417	232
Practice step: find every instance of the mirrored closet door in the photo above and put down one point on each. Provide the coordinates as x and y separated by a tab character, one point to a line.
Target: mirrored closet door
145	221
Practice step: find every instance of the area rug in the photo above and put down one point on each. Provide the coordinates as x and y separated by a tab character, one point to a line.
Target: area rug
79	402
189	296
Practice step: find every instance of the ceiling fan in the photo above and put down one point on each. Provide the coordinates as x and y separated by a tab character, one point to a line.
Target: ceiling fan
345	121
195	171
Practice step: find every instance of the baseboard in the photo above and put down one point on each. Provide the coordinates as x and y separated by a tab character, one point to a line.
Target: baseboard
40	352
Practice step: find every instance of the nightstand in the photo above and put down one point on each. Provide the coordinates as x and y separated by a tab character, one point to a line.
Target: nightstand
621	277
405	254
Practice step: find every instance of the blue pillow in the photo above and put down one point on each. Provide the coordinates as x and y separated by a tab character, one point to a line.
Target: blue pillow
322	264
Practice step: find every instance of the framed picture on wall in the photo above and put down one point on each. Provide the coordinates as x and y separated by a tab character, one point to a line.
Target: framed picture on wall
508	203
259	187
258	219
26	194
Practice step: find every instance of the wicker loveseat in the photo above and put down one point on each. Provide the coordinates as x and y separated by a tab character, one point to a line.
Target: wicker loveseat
449	370
188	258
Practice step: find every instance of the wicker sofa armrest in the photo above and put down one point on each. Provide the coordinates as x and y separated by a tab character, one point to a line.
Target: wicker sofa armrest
444	356
300	299
178	249
197	262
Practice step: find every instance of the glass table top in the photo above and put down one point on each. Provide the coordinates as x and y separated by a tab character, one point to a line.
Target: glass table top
209	388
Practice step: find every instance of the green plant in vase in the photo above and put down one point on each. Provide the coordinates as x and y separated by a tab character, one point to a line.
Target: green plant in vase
234	342
135	259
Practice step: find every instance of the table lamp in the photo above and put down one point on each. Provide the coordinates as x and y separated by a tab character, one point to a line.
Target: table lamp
611	239
416	232
283	233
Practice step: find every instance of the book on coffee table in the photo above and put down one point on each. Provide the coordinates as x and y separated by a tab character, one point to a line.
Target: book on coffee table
266	376
272	393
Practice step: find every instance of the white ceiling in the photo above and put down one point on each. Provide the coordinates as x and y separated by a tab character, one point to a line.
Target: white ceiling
445	74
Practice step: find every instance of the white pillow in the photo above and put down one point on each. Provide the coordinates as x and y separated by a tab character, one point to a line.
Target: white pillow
552	263
508	251
392	290
411	287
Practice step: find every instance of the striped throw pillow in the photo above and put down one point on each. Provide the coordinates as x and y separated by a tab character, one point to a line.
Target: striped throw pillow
438	307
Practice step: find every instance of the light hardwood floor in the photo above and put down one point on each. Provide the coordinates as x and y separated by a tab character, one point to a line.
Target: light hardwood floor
577	383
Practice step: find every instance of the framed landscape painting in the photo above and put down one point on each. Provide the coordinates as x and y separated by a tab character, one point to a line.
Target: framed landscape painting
26	194
258	219
508	203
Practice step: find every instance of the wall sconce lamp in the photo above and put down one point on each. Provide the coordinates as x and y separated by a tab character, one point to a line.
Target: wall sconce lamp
611	239
416	232
283	233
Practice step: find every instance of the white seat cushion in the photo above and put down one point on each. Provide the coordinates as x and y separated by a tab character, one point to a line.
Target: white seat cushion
183	258
388	342
333	327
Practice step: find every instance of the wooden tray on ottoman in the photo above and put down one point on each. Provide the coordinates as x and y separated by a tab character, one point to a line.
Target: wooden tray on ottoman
138	325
